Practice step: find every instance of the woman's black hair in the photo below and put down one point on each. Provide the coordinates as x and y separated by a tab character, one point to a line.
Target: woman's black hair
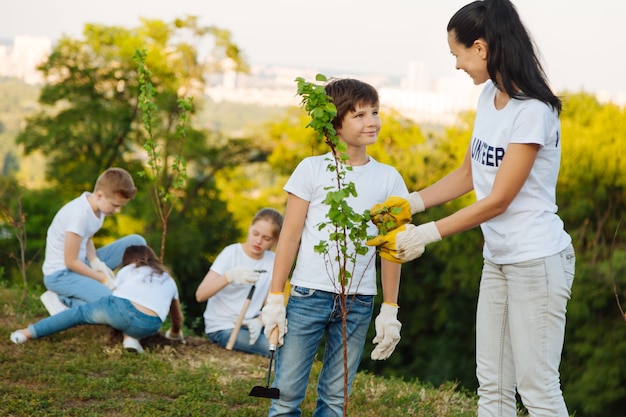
512	53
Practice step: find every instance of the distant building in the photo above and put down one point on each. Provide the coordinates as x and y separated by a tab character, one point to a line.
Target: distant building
21	59
418	77
416	96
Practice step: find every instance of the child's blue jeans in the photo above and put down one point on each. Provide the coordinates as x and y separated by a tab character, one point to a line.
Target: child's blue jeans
311	314
116	312
74	289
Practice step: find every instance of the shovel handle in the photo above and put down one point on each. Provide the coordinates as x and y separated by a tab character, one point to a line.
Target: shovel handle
274	339
242	315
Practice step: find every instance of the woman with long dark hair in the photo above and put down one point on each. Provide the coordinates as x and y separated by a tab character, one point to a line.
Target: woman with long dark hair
512	164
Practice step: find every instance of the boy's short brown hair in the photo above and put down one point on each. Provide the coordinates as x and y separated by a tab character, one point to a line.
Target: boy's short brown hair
116	181
347	93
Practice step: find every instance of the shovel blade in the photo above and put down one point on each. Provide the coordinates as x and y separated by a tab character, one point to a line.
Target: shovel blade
265	392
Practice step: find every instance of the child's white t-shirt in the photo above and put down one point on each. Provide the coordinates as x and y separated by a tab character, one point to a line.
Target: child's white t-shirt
147	288
374	183
223	308
77	217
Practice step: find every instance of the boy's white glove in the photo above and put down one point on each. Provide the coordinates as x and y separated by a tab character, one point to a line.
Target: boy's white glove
387	332
99	266
275	315
254	326
242	276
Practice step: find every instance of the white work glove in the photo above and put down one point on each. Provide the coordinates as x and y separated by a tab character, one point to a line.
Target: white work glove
415	202
178	337
275	315
387	332
109	277
242	276
254	326
407	242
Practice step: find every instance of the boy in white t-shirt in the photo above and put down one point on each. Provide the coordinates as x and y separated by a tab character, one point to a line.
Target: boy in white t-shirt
74	271
313	310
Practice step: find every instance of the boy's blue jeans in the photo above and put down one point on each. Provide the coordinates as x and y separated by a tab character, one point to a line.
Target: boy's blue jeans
74	289
116	312
311	314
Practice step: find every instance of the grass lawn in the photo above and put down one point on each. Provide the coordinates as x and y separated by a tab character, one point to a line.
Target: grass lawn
85	372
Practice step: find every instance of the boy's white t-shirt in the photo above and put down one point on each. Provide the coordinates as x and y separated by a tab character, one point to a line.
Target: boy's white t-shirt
77	217
374	183
223	308
147	288
530	227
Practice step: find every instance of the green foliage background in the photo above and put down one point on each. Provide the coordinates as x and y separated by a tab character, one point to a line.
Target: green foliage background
87	122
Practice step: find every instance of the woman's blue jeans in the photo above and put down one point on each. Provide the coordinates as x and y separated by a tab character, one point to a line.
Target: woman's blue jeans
311	314
74	289
116	312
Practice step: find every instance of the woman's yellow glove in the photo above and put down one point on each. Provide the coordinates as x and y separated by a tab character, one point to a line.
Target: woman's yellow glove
396	211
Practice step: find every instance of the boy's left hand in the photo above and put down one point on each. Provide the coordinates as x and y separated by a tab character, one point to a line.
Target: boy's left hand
387	332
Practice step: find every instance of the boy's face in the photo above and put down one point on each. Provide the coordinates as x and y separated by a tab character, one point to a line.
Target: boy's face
361	126
110	205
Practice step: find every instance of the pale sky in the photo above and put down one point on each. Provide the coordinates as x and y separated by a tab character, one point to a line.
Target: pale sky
579	41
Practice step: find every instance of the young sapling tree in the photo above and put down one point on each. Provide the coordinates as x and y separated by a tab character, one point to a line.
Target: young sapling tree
166	184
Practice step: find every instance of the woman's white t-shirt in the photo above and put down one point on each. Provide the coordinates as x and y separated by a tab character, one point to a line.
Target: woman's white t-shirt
530	227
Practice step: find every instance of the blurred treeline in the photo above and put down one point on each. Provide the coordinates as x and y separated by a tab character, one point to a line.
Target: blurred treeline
56	139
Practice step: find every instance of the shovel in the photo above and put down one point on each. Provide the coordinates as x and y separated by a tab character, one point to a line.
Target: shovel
266	391
233	336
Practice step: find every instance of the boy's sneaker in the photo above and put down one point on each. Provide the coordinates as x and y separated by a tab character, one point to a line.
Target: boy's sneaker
132	345
52	303
18	337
